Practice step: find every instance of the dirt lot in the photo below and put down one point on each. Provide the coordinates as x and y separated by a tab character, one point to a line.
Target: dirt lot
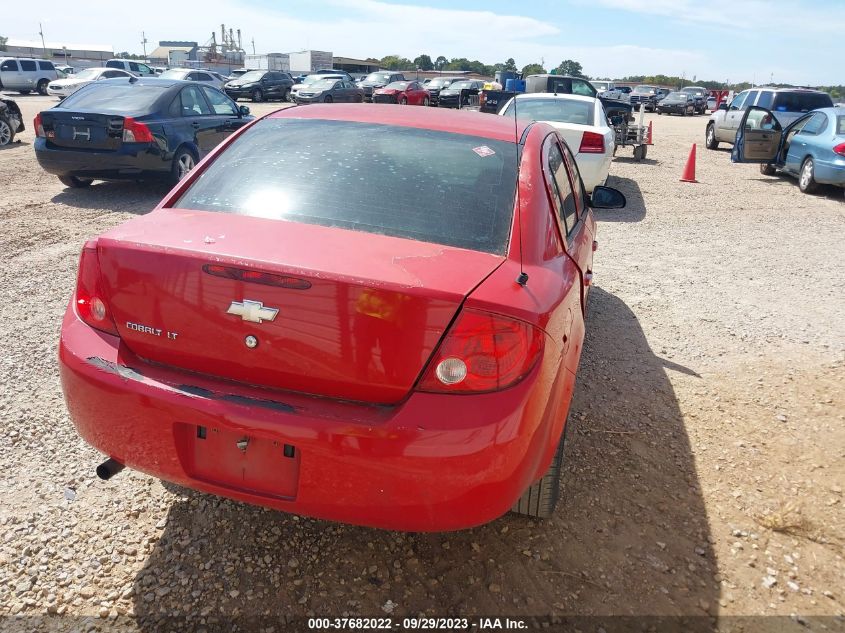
704	470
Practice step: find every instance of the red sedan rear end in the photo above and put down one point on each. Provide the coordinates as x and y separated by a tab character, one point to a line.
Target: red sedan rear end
319	321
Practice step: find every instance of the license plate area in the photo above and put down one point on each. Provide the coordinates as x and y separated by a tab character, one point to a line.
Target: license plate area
239	461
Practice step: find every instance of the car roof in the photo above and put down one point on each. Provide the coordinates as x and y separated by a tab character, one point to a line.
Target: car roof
437	119
550	95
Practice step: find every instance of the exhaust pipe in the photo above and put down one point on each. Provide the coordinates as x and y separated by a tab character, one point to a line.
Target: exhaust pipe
109	469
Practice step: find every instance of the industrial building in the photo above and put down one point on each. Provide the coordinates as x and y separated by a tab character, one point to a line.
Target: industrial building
174	53
59	52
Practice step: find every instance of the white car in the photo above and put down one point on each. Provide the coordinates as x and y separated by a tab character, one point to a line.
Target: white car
188	74
583	124
62	88
310	79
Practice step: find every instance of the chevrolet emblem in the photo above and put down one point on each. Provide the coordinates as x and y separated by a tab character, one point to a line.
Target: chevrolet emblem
253	311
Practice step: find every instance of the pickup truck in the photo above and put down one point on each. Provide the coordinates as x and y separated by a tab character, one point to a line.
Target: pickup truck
491	101
609	90
699	94
646	97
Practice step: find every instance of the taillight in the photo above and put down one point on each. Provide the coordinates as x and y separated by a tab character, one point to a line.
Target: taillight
840	149
136	132
591	143
39	127
91	304
482	352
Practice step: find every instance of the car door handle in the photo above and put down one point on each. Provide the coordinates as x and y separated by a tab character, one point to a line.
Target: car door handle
195	124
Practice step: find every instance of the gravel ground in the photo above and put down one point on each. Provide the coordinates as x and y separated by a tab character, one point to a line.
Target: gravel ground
704	469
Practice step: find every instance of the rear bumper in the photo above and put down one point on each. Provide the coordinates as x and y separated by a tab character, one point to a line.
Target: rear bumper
830	172
130	161
433	463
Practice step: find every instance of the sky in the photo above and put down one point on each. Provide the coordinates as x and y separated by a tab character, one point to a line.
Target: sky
787	41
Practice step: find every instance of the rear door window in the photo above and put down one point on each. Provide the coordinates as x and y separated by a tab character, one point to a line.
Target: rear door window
452	189
565	203
46	66
27	64
801	101
752	97
816	124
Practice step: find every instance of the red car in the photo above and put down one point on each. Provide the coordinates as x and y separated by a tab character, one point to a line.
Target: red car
403	93
291	327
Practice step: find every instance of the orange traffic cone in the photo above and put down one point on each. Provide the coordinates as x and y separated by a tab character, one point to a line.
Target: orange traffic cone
689	170
648	137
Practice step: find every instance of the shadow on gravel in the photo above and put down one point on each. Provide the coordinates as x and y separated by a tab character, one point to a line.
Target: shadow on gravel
634	210
630	536
129	197
631	159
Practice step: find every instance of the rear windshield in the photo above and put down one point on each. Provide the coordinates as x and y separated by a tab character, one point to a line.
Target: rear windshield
800	101
425	185
560	110
118	97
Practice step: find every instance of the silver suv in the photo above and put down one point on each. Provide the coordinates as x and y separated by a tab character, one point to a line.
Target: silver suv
787	104
25	75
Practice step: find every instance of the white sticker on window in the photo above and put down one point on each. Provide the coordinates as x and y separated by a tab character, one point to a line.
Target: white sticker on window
483	151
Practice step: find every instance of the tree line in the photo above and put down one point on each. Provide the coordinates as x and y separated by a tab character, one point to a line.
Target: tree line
425	62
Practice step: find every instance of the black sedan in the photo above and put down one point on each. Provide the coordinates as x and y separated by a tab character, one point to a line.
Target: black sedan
120	129
330	90
677	103
260	85
455	95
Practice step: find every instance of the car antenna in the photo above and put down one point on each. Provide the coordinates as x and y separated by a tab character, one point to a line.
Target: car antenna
522	280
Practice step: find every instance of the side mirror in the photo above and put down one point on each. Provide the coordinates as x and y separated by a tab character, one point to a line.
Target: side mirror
723	105
607	198
244	110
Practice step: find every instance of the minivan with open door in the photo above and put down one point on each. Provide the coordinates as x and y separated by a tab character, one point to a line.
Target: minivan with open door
811	148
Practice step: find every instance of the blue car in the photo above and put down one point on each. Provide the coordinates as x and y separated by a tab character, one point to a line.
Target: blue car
811	148
134	128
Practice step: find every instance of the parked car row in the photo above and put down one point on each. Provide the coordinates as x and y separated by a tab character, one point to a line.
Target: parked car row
795	131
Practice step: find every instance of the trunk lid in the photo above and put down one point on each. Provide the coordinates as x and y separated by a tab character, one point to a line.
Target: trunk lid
374	311
82	130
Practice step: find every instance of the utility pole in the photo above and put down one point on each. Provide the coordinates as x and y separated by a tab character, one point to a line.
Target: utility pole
144	44
253	46
41	33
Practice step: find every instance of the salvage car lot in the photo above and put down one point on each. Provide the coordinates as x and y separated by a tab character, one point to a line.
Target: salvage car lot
705	459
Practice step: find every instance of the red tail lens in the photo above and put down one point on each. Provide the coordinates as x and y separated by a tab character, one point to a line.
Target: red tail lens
591	143
39	127
256	276
91	304
840	149
482	352
135	132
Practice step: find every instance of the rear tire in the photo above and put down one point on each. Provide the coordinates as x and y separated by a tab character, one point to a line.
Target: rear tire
540	499
7	134
710	137
75	183
426	102
806	177
767	169
257	96
42	87
286	96
183	162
